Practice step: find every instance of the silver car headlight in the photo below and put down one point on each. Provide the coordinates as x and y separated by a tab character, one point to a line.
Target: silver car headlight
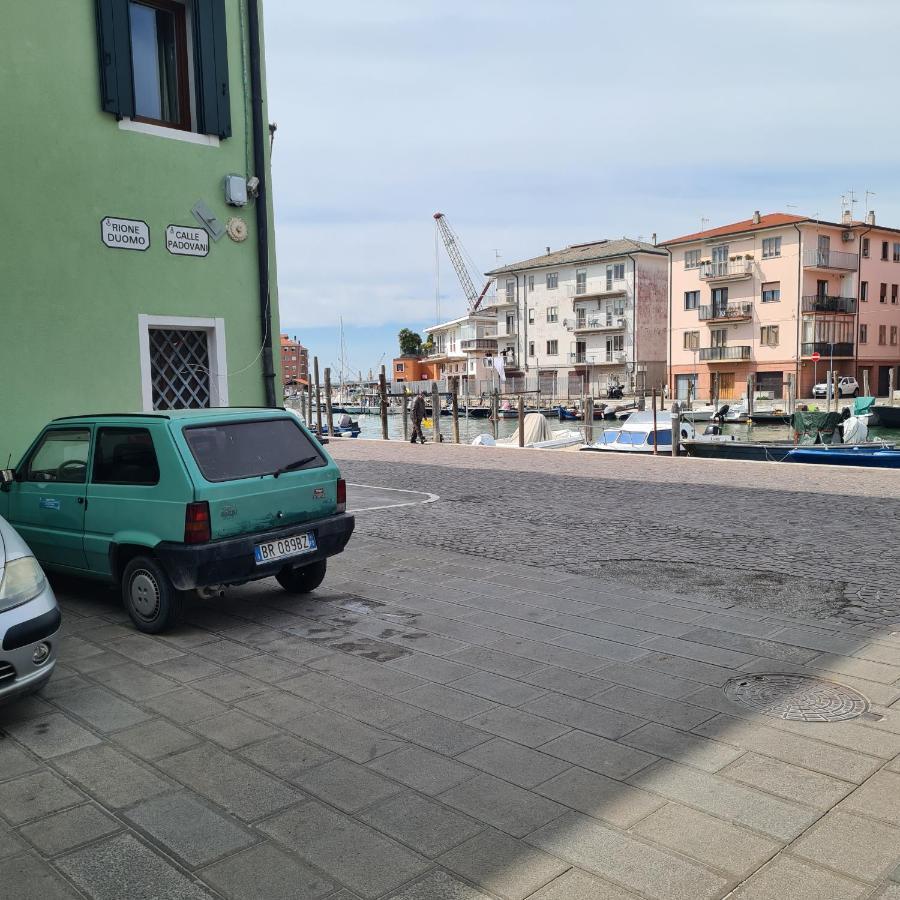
23	579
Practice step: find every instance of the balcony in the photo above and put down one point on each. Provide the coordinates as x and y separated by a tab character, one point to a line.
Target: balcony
824	349
723	354
578	292
482	343
732	270
509	360
501	297
598	358
818	303
830	259
595	323
726	312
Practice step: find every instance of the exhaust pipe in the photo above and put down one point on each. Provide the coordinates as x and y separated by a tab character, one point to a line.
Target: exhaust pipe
211	592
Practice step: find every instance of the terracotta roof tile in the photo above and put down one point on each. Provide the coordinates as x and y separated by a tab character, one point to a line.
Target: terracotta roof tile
769	220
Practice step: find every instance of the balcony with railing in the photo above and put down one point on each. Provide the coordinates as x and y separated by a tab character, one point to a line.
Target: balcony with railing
597	357
578	292
822	303
727	270
724	354
826	348
830	259
501	297
595	323
726	312
482	343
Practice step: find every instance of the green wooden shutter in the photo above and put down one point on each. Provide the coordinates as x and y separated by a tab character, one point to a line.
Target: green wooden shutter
211	68
114	49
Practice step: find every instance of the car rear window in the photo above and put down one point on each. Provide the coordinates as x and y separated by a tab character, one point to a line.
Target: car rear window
228	451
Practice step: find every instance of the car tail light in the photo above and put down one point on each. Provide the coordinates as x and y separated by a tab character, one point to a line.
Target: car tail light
196	523
341	495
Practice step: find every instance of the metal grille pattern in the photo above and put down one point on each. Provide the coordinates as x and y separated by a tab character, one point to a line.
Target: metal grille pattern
800	698
179	368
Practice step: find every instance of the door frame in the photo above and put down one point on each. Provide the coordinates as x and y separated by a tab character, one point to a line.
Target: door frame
215	342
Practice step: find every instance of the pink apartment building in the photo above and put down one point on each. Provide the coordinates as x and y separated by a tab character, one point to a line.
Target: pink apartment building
759	297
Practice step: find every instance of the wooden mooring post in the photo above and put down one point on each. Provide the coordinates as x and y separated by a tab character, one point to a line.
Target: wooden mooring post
329	415
406	417
382	389
865	382
589	421
521	421
318	396
676	429
435	413
495	412
454	407
655	441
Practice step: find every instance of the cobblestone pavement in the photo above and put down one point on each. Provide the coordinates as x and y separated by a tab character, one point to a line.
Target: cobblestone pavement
448	721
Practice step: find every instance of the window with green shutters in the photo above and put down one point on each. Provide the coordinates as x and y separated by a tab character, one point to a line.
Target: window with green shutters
144	47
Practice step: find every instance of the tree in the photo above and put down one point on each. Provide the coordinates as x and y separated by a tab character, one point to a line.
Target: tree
428	346
410	342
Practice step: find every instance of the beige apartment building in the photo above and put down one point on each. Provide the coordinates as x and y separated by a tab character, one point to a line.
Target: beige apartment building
759	298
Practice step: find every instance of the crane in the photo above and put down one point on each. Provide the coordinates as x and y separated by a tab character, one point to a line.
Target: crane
456	251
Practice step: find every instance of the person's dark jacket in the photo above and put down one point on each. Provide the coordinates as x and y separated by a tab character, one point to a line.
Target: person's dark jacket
418	409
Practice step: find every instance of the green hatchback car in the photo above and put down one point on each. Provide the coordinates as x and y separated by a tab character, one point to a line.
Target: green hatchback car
169	502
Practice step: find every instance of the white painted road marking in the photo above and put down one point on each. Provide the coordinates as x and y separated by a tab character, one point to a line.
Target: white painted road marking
377	495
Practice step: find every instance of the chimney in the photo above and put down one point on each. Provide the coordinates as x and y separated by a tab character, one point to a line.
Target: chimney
846	218
548	251
653	238
756	217
870	217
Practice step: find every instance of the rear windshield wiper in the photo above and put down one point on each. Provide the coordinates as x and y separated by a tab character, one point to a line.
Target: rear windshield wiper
296	464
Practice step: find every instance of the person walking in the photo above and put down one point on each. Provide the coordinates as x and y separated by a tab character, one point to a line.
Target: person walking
418	413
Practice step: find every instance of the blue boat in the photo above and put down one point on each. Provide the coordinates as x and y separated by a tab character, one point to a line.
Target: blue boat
870	457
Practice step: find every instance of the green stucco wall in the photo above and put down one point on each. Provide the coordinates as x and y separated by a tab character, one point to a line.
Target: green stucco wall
70	305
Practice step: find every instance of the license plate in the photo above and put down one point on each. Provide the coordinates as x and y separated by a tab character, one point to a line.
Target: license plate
295	545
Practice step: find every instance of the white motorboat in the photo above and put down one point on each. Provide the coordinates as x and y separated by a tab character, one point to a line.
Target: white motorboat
637	435
538	436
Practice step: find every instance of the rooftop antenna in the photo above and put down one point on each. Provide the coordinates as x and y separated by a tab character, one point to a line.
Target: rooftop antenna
703	223
869	194
853	201
497	255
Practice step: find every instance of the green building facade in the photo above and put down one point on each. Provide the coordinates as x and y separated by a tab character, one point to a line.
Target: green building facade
128	280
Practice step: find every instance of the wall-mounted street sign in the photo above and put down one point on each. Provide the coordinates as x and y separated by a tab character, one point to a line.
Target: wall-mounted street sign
185	240
125	234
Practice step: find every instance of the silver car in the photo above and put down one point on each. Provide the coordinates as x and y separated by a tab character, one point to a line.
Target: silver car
29	619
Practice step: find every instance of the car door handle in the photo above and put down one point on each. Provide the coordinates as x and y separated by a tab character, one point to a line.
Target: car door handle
80	499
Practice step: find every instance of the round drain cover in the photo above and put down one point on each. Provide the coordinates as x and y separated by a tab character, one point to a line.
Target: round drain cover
797	697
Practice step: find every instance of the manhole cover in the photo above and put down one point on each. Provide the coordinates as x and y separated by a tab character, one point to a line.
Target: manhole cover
797	697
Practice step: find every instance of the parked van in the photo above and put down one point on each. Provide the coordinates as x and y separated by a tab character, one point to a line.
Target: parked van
168	502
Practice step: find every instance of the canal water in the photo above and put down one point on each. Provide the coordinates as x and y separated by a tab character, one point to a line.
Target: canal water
469	429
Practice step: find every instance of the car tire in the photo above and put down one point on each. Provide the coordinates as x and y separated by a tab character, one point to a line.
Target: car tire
303	580
149	595
856	392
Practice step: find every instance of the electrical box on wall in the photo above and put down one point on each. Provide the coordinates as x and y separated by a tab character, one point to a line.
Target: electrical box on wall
235	190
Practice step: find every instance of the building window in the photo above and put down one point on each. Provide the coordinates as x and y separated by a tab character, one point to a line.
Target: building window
619	272
884	249
771	291
883	295
531	316
552	314
159	63
552	281
552	348
718	337
865	247
581	282
399	367
896	252
771	247
882	334
864	291
893	293
691	259
154	68
691	299
531	348
692	340
768	335
618	343
531	282
894	335
510	289
864	334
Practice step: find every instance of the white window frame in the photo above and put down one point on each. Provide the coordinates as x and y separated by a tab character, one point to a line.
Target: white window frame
552	314
692	259
552	281
215	343
774	242
553	347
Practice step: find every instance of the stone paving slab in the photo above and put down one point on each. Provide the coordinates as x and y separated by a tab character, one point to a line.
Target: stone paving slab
452	718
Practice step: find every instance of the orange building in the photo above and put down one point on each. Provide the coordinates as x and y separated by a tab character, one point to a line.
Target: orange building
414	370
294	361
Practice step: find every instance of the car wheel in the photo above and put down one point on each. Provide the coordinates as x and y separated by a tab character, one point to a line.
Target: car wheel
149	595
856	392
304	580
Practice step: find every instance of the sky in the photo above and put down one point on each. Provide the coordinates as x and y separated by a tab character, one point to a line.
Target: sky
535	124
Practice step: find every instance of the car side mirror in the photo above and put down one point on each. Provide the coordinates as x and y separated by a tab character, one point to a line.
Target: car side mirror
7	477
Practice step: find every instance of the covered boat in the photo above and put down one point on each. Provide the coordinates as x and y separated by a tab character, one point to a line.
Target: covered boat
537	435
